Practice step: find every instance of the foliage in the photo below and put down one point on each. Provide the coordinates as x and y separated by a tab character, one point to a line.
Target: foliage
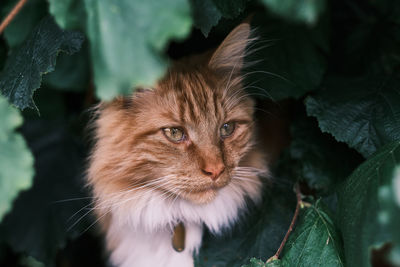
315	241
16	162
25	66
335	61
369	207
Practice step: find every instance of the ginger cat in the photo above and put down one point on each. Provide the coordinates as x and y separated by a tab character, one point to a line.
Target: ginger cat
171	160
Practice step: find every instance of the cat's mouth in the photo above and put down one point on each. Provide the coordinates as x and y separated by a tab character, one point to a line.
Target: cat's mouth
204	194
201	196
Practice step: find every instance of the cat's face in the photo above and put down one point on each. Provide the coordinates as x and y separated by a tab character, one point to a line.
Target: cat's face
184	137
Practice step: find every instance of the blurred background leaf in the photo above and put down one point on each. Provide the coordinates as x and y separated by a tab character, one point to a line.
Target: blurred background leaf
39	224
127	41
16	161
368	209
306	11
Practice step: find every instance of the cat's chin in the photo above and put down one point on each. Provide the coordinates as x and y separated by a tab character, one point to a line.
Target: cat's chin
201	197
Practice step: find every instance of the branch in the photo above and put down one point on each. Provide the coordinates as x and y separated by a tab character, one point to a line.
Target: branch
296	214
12	15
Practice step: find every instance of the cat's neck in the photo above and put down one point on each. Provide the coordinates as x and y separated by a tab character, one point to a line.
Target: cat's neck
152	211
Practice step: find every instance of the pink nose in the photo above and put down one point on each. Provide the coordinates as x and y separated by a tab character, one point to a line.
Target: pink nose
213	170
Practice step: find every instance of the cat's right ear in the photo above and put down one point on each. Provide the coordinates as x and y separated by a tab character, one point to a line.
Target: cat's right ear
229	56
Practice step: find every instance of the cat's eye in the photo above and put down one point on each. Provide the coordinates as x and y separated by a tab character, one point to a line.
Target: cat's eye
174	134
227	129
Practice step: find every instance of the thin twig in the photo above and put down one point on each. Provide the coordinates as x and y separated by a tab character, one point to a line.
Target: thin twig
12	15
296	214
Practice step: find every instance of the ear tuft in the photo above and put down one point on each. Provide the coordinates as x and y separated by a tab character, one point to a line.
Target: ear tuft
230	54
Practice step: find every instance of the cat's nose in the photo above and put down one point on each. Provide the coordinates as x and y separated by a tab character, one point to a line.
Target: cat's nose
213	170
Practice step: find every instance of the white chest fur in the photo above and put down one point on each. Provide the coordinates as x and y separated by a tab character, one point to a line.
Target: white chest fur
140	230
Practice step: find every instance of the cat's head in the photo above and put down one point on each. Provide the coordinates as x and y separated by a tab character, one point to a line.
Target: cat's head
186	136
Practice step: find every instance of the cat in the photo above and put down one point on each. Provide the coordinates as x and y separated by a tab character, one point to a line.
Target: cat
171	160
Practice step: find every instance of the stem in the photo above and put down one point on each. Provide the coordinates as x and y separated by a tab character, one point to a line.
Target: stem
12	15
296	214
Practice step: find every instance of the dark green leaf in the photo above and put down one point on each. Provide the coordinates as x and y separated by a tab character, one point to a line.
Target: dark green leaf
282	71
230	9
205	15
316	157
315	240
258	235
369	209
127	38
38	224
363	112
23	71
16	161
23	23
306	11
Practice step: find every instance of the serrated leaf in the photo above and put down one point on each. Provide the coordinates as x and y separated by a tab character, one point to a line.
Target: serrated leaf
127	40
38	224
306	11
205	15
282	71
24	68
259	233
25	20
368	212
16	161
315	240
363	112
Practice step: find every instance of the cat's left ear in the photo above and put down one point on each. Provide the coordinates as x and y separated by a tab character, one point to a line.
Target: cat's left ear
229	56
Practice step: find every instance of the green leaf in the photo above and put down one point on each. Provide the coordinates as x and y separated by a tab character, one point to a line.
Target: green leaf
318	158
306	11
363	112
69	14
16	161
282	71
205	15
230	9
24	68
315	240
23	23
258	234
259	263
127	40
368	206
38	224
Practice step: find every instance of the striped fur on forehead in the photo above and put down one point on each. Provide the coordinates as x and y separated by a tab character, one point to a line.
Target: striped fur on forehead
195	92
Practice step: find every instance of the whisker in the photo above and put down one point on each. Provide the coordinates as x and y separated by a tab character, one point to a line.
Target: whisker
70	199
